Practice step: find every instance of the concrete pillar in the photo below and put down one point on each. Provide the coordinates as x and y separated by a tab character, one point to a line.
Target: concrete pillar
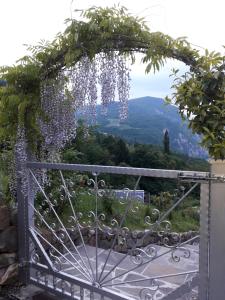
217	234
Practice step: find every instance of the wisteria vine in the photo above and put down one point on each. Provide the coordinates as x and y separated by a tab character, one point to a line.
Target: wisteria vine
107	72
76	89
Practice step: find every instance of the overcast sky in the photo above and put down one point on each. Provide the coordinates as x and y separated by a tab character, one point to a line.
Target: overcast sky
29	21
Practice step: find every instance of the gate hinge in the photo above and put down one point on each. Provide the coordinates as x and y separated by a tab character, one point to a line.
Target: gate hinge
201	178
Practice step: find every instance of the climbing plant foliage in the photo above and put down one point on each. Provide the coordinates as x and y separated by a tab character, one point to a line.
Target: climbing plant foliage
47	84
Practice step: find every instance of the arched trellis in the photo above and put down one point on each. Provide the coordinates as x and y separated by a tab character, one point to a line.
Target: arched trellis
199	93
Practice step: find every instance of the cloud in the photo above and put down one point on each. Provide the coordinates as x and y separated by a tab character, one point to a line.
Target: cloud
155	85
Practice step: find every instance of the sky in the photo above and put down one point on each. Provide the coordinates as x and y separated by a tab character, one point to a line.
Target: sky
26	22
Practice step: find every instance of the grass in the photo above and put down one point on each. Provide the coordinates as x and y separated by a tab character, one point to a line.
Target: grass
182	219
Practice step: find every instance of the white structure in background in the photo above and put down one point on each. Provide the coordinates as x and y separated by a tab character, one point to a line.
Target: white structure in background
128	194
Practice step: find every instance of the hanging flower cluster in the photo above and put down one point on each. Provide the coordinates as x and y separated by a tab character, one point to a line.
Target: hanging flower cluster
106	72
123	86
107	79
58	123
19	170
84	86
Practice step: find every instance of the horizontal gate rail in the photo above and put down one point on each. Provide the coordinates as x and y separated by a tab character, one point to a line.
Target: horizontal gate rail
78	282
160	173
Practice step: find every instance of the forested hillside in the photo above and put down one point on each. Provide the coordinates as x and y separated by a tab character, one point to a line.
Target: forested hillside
104	149
147	119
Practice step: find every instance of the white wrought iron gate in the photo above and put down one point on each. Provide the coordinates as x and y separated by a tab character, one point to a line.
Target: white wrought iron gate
73	245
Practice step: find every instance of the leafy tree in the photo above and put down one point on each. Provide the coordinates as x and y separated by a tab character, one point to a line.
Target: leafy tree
166	142
122	152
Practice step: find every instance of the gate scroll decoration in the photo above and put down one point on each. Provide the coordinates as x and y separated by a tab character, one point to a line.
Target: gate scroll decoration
52	259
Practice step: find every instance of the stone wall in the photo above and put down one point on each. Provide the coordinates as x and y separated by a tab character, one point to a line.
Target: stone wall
138	239
8	246
123	243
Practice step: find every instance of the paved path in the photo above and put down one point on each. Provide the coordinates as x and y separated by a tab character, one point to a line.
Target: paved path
161	266
134	280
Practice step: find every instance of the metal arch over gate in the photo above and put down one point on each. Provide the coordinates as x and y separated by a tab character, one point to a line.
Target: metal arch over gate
66	253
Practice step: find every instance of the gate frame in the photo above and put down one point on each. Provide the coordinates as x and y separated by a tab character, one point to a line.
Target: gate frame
211	270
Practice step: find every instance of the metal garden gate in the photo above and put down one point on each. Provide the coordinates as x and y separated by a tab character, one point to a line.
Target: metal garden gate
73	245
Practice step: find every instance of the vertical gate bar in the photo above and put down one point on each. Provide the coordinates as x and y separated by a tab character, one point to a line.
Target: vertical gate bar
204	241
217	236
81	293
30	219
92	295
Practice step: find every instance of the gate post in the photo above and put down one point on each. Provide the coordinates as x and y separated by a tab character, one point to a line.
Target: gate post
23	231
204	241
217	234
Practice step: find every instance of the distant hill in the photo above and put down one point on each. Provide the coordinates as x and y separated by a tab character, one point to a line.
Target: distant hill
148	117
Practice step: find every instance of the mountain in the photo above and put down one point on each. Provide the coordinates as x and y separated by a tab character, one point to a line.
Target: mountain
148	117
